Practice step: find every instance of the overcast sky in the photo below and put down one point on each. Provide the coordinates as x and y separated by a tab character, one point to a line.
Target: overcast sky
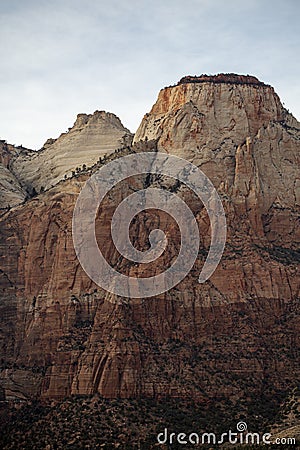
60	58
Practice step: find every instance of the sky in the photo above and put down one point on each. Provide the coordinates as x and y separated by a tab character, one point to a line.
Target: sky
64	57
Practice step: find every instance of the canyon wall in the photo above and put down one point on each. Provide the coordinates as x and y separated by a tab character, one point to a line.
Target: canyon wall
235	336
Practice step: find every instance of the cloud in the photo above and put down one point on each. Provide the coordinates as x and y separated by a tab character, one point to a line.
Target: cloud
60	58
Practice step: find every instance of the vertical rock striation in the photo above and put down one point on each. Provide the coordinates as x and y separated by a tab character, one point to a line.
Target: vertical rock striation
235	336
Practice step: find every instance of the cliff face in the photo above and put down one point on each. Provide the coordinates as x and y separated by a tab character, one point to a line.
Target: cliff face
11	191
241	137
235	336
208	113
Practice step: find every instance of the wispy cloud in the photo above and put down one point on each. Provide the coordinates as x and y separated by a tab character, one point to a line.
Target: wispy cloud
59	58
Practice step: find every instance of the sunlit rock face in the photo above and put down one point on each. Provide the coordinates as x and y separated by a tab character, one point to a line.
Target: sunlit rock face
92	136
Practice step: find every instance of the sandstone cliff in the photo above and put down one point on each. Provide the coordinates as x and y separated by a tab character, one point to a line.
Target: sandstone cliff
234	337
92	136
235	128
11	192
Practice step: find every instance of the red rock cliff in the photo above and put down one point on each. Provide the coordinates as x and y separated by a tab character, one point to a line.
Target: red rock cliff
231	337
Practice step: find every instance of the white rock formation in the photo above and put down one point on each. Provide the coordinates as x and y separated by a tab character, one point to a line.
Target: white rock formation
91	137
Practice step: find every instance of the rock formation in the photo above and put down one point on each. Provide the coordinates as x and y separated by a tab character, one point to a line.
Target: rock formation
11	192
92	136
236	336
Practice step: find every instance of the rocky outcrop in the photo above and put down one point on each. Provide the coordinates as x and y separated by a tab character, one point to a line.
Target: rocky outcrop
192	118
11	192
234	336
235	129
91	137
225	78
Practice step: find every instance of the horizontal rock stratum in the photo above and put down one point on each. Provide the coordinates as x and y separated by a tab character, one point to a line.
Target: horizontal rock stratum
232	337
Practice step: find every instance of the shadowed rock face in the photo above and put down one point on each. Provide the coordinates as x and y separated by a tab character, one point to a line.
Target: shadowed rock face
11	192
234	336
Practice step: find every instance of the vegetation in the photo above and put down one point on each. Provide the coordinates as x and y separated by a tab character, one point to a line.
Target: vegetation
229	78
92	422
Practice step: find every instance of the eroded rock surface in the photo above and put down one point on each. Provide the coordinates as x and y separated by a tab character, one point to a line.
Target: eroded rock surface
91	137
232	337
